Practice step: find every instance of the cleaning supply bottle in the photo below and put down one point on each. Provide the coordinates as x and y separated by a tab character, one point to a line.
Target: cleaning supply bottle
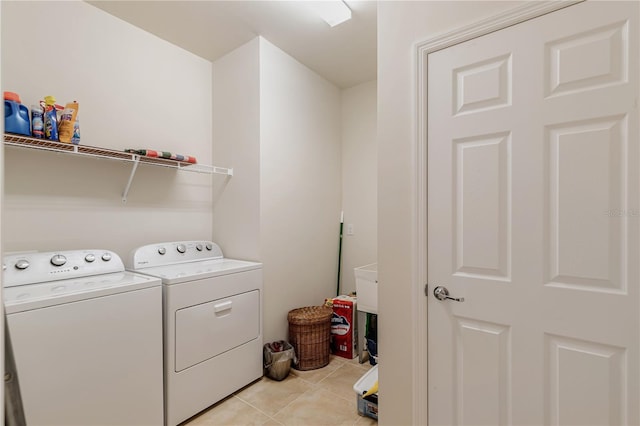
67	122
75	139
37	122
16	115
50	119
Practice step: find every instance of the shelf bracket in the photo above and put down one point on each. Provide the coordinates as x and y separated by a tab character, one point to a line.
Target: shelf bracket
136	161
222	171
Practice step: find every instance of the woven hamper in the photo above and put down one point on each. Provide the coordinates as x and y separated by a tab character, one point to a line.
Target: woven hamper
310	334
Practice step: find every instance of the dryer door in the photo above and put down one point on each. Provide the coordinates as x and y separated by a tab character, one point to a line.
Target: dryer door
209	329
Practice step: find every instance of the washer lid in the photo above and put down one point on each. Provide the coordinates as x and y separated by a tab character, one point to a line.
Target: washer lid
34	296
183	272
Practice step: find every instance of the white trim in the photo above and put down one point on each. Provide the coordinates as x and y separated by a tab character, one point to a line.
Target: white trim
529	10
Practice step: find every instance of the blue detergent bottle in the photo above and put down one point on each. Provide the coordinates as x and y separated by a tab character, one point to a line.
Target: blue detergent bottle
50	118
16	115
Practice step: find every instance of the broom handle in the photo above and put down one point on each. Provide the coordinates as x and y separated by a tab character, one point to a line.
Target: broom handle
340	253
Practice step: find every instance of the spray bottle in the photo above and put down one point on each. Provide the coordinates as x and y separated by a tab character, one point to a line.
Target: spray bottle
37	122
75	139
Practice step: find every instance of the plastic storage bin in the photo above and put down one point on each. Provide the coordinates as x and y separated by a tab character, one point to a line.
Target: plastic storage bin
367	406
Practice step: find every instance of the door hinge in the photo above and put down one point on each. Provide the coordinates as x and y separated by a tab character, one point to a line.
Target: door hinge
426	290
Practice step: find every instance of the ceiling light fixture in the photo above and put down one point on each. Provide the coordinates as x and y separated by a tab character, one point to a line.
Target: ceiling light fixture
333	12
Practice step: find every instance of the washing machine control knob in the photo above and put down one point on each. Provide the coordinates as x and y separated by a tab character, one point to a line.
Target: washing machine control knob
106	257
162	251
209	247
181	248
199	247
89	258
58	260
20	264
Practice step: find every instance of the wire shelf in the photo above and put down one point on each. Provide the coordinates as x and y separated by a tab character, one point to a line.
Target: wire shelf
91	151
95	152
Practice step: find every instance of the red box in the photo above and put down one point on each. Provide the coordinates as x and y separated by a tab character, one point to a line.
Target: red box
344	332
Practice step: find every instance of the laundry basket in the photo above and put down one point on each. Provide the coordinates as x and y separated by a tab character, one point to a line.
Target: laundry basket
309	334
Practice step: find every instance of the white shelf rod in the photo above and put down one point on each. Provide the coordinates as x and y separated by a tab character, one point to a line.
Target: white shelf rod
136	161
223	171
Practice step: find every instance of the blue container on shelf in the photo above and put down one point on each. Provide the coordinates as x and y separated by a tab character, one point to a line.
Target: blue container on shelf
16	115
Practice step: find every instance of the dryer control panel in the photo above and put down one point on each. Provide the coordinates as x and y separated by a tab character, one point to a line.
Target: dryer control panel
172	253
37	267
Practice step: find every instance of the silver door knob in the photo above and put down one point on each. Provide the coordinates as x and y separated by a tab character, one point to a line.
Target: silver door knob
441	293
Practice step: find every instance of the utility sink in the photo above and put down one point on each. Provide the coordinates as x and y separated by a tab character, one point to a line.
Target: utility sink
367	288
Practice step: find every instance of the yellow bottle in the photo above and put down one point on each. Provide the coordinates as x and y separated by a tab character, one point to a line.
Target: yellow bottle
67	120
373	389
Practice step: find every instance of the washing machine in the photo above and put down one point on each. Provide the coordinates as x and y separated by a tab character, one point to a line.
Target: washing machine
212	322
87	338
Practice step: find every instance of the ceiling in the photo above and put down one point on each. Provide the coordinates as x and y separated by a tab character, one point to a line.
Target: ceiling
344	54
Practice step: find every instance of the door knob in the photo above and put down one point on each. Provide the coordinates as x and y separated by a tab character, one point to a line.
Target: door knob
441	293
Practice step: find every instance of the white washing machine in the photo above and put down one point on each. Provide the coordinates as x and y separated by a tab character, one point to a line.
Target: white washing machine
87	338
212	322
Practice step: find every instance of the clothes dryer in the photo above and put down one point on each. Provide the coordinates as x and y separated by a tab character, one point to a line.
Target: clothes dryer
212	322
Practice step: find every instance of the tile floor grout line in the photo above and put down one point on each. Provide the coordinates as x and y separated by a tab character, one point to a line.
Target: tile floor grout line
258	409
292	401
333	393
314	387
318	385
323	389
335	371
326	382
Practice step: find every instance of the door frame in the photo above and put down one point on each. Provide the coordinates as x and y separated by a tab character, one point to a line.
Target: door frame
517	15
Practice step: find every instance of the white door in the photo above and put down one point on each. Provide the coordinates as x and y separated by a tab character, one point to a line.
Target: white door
533	219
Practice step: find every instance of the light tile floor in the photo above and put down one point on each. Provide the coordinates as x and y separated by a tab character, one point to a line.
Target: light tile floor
322	397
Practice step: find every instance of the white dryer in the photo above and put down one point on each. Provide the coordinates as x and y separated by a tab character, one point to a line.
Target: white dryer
87	338
212	322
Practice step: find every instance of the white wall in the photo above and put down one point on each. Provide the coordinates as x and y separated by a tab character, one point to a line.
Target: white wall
359	181
236	143
291	178
135	91
300	186
400	26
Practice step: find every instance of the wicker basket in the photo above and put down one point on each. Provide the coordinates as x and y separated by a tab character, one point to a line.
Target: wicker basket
310	333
